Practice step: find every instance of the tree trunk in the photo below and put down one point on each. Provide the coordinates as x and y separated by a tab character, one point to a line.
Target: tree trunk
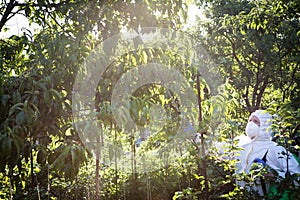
97	169
202	138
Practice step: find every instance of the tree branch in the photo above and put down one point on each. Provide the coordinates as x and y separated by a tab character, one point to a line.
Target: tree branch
291	82
12	14
255	89
246	97
234	55
12	4
7	12
261	91
49	5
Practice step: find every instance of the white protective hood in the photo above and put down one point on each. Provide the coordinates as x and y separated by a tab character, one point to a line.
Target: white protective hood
257	147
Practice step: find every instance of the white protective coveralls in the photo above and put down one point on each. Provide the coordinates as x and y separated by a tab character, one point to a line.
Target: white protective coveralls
259	145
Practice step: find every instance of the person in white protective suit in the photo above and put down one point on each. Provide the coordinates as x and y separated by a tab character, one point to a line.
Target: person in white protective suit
258	146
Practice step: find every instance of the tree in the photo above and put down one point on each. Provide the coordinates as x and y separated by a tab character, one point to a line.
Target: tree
37	76
256	44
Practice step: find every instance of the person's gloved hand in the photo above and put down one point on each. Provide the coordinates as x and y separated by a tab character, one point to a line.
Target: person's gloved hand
260	161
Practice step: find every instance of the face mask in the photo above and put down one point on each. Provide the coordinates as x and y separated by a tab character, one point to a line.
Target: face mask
252	129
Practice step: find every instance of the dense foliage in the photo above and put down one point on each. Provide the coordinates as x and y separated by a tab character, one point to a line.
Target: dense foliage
252	47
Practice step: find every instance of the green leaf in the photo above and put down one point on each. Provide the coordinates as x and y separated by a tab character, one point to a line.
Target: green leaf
242	31
27	10
4	99
18	142
41	158
56	93
16	97
14	107
47	98
73	156
6	146
111	152
21	118
35	108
